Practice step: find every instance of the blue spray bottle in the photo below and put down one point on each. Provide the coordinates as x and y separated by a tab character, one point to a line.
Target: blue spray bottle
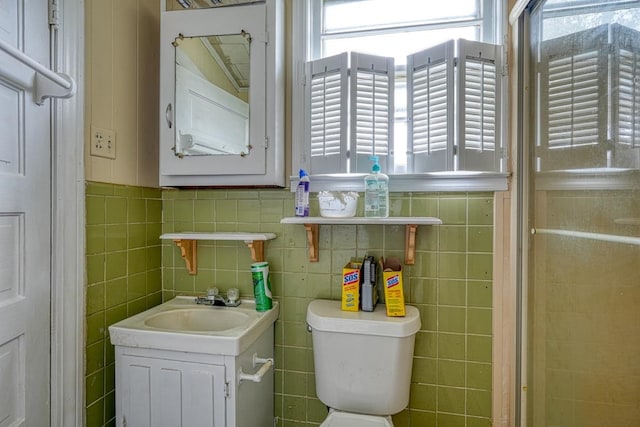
302	194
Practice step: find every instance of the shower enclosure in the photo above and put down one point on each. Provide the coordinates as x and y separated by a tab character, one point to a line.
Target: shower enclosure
580	226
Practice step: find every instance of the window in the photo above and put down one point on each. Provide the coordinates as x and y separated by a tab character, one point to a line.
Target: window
420	87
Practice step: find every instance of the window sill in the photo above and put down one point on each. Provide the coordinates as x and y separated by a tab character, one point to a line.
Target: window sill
427	182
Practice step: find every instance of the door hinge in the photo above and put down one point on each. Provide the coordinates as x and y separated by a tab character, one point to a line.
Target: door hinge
54	15
266	142
124	421
226	390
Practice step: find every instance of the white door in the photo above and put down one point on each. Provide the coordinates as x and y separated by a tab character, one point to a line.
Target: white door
25	215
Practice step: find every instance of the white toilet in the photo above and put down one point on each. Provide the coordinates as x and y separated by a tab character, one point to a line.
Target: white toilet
362	362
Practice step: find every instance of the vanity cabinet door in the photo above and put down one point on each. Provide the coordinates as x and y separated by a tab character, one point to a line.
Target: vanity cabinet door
167	393
221	96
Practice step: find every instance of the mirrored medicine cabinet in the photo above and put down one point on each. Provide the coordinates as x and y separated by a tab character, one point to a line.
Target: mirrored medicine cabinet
221	95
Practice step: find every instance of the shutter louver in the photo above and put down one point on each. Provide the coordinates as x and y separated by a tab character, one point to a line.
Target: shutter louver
479	66
480	105
372	110
430	113
327	120
574	106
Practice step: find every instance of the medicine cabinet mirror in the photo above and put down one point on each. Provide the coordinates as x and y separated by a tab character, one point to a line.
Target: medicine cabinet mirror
221	95
212	95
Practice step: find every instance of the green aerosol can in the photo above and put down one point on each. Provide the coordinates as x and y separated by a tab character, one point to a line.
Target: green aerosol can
261	286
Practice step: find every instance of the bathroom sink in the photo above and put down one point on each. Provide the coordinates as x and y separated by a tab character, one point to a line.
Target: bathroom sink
182	325
197	320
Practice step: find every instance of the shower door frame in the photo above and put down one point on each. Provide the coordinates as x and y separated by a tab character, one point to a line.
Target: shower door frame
522	227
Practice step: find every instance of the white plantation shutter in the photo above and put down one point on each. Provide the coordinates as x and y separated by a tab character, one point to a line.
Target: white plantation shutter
371	95
438	120
625	93
327	97
573	101
430	109
479	67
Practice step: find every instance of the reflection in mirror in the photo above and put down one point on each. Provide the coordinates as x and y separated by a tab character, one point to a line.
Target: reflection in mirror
204	4
212	95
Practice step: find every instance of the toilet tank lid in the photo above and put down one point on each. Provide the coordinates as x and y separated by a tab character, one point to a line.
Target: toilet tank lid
327	315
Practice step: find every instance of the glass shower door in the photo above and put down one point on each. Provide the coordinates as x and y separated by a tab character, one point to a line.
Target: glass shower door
581	301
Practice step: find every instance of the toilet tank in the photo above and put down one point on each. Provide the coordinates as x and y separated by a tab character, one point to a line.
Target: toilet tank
362	359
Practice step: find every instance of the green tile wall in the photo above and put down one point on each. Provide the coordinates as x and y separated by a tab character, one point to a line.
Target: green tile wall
450	284
123	225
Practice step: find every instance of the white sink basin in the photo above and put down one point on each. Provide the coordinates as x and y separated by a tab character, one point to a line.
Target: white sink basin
198	320
182	325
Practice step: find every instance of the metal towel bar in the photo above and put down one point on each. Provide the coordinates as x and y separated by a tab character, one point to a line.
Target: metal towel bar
593	236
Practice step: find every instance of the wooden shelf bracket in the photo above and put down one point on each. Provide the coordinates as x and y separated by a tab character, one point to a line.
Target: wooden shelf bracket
312	241
410	244
188	251
257	249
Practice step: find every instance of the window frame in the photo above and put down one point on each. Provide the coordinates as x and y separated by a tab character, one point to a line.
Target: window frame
429	181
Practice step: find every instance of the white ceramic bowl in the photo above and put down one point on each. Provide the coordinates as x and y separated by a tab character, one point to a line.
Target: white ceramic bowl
336	204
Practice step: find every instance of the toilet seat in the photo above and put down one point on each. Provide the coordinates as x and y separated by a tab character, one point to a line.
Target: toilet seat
348	419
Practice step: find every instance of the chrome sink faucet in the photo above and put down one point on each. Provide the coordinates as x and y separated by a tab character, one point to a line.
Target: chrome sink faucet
214	298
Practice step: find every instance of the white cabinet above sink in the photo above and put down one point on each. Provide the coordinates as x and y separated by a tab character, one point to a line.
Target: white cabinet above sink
222	95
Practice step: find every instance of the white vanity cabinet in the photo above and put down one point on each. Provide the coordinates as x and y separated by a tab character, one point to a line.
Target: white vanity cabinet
183	364
222	95
160	388
156	391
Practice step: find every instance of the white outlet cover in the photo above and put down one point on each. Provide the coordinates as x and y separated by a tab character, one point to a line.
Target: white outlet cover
103	143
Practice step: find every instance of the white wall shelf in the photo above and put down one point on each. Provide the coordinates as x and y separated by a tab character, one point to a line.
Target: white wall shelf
188	246
312	223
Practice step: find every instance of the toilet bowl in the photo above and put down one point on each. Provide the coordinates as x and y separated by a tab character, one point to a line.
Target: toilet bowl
362	362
